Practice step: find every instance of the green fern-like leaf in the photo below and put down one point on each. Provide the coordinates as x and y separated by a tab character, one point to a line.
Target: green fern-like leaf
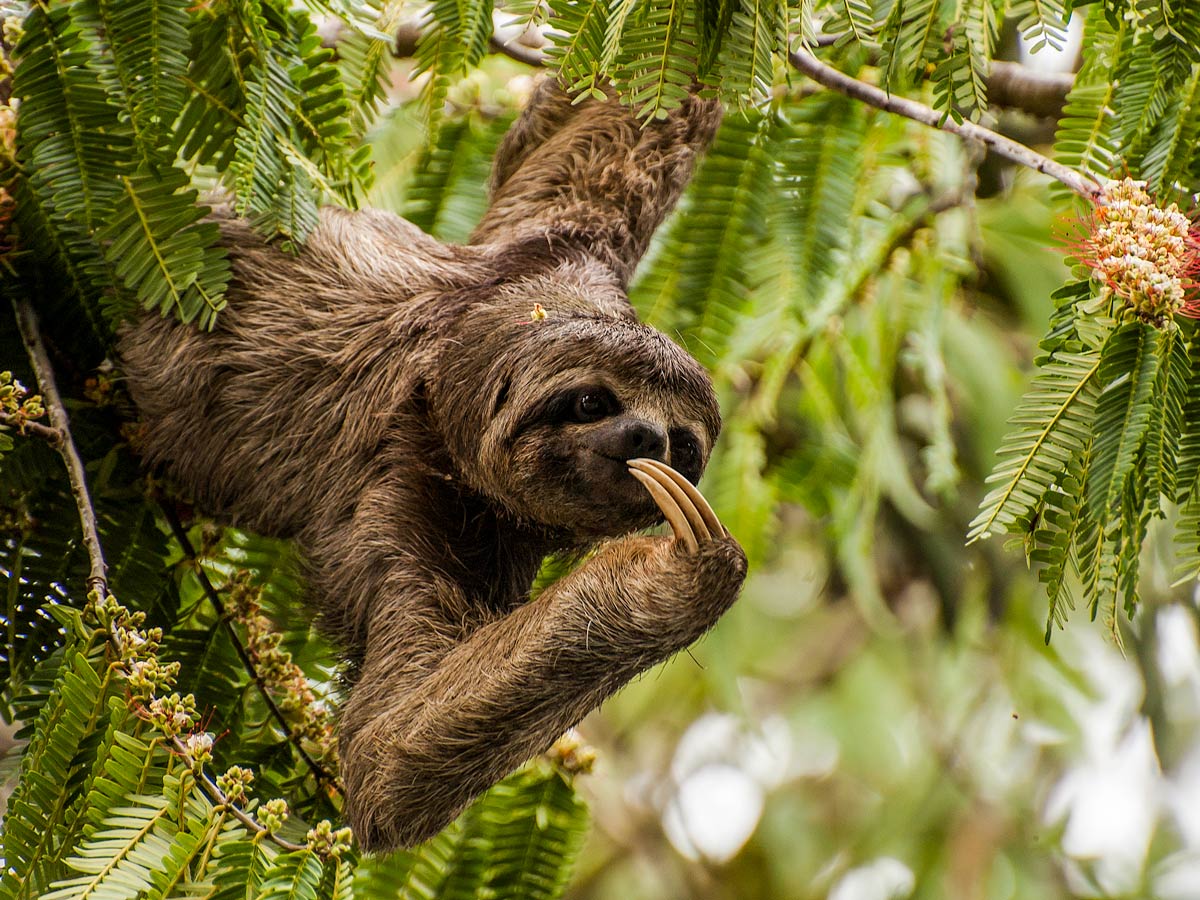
1062	519
323	115
853	18
123	857
259	165
292	876
726	217
960	79
529	829
1042	23
444	197
419	874
69	142
1188	467
1142	96
658	59
1126	376
1175	25
453	45
143	60
40	807
519	840
363	57
821	173
1052	425
1186	539
910	39
1087	138
162	250
242	866
68	134
579	40
206	129
1160	458
713	20
746	64
1170	150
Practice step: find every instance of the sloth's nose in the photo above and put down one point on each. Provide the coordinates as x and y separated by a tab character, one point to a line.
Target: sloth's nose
639	438
629	438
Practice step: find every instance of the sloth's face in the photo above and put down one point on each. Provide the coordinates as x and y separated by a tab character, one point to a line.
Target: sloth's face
559	443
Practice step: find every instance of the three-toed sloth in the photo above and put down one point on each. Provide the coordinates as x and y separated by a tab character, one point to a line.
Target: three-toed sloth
429	421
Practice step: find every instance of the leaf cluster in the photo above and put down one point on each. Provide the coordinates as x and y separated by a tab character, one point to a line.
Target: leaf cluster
128	110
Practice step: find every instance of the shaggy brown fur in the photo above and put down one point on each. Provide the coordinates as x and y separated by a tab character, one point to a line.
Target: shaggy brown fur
394	405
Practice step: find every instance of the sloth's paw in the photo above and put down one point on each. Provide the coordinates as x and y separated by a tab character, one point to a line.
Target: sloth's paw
709	561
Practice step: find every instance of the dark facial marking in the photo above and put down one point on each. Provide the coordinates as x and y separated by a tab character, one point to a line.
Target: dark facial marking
576	404
685	454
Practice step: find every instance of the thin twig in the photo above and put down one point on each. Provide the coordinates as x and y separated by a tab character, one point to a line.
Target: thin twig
51	436
39	360
320	773
1011	150
218	797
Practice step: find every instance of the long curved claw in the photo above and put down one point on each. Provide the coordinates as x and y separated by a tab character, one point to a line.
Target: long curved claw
661	474
681	484
670	509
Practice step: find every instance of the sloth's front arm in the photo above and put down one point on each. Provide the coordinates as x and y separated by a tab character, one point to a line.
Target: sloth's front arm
414	757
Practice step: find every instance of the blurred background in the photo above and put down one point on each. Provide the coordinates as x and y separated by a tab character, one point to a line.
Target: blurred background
880	715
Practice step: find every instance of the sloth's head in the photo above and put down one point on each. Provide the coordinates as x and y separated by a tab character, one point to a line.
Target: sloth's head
565	402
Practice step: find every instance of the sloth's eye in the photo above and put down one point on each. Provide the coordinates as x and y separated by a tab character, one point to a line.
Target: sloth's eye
592	405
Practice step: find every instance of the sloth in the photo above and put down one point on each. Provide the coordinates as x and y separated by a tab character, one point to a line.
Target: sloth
429	421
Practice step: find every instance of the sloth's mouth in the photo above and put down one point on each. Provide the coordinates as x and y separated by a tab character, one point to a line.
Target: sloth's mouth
607	480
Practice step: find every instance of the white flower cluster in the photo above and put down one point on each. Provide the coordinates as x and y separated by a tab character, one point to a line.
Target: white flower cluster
1143	253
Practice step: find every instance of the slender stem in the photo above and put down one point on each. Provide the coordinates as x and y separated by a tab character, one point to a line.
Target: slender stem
1011	150
39	360
51	436
218	797
323	775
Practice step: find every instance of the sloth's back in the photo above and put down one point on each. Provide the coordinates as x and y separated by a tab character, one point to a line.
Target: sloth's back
292	392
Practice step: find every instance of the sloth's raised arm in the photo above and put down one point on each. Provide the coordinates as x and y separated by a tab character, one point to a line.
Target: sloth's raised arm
427	730
589	176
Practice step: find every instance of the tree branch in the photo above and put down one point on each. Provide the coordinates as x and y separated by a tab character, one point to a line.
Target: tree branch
1007	148
522	54
320	773
1009	84
43	372
51	436
1016	86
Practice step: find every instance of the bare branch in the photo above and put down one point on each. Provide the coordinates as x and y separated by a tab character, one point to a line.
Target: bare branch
1007	148
39	360
1015	86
